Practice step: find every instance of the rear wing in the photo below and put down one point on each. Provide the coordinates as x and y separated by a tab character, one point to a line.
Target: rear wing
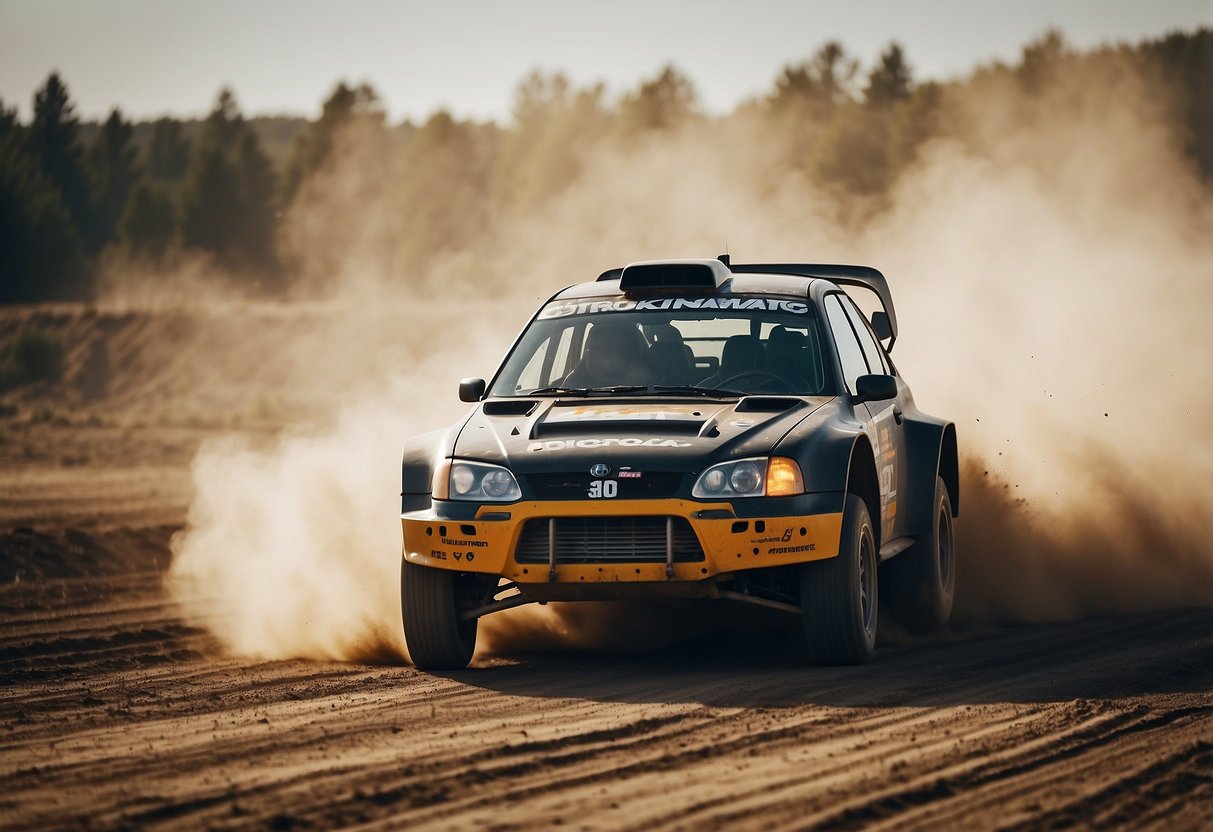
864	277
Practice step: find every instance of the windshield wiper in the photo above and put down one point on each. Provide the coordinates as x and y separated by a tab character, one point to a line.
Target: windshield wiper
572	391
694	390
588	391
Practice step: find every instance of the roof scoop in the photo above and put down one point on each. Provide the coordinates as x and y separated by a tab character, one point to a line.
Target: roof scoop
696	275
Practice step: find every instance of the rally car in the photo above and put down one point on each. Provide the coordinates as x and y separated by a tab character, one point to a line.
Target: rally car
688	429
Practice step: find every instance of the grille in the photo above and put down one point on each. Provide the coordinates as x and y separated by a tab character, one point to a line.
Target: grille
608	540
650	485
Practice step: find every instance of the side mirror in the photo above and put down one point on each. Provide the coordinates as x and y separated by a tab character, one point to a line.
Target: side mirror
874	389
881	325
471	389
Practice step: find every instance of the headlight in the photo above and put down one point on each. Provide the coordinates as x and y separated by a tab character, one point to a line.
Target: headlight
777	476
478	481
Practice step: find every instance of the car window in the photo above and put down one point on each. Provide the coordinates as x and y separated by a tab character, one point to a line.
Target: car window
867	341
850	354
750	344
532	374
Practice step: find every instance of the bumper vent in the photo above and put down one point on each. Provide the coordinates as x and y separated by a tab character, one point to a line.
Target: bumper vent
609	540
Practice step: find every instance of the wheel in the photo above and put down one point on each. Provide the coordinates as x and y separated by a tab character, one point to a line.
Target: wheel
838	596
922	579
437	636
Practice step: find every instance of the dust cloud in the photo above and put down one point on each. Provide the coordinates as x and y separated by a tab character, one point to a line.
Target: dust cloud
1052	261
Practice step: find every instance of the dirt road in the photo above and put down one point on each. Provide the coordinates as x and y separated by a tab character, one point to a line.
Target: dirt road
117	711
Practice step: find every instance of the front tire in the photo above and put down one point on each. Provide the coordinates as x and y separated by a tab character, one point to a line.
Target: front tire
435	632
922	579
838	596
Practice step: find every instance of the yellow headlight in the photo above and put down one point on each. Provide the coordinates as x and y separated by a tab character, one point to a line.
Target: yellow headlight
783	477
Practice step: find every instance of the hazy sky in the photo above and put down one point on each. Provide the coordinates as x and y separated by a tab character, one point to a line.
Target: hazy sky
151	57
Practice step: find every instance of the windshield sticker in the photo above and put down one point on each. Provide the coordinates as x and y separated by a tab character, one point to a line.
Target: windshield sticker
564	444
594	307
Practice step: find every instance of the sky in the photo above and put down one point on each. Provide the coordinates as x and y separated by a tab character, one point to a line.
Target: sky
158	57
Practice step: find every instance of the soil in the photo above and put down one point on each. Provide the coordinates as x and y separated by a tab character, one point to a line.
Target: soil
119	710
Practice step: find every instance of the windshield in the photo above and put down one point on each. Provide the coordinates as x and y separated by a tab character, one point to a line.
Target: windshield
668	346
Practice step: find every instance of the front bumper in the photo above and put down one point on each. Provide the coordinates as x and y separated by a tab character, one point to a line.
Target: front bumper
483	538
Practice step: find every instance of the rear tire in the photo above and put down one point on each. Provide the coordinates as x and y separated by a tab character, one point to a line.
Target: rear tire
922	579
838	596
436	634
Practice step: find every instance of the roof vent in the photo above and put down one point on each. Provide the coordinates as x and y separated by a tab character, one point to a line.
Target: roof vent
702	275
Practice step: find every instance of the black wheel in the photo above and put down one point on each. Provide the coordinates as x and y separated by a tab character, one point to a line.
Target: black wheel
922	579
431	604
838	597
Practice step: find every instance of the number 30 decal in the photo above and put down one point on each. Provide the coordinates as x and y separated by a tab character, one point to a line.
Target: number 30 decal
603	488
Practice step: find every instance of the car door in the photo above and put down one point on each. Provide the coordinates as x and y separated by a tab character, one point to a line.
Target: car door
888	423
860	355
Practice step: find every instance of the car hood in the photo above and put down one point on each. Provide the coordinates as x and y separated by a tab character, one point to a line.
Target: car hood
571	434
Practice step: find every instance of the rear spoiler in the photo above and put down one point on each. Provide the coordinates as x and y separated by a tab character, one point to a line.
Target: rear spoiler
864	277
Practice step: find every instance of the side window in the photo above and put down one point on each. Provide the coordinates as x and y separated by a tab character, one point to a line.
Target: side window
561	365
849	352
529	378
870	350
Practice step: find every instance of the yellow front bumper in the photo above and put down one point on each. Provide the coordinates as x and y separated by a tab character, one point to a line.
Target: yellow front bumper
729	544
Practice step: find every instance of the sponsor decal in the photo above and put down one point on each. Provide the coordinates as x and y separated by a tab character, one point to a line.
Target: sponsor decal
471	556
628	442
630	475
599	469
597	307
449	541
788	550
787	535
437	555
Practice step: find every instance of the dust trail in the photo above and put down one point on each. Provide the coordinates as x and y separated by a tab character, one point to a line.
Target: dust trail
1052	260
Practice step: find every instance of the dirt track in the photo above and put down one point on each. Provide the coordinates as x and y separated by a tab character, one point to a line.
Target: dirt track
118	712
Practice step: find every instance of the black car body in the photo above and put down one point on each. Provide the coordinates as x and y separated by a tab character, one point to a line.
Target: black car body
688	428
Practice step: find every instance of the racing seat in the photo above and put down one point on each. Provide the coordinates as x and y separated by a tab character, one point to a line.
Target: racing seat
615	353
742	354
787	357
669	364
673	361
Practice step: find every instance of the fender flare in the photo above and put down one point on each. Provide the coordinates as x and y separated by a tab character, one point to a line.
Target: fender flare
862	480
932	452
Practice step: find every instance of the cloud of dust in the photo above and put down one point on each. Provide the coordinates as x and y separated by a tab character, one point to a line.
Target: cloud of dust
1052	260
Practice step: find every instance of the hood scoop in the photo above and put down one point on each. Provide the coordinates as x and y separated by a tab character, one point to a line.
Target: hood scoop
580	419
768	404
509	407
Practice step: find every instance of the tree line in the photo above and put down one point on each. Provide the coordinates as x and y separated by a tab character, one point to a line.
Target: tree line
69	205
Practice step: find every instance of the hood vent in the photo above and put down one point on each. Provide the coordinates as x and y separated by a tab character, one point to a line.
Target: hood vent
599	427
509	407
768	404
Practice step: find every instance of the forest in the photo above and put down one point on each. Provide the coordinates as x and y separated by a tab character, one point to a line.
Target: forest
248	197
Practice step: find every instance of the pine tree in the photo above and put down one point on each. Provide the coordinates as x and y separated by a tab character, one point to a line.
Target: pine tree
53	140
257	185
890	80
149	222
225	123
111	162
168	151
211	206
344	106
664	102
41	257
